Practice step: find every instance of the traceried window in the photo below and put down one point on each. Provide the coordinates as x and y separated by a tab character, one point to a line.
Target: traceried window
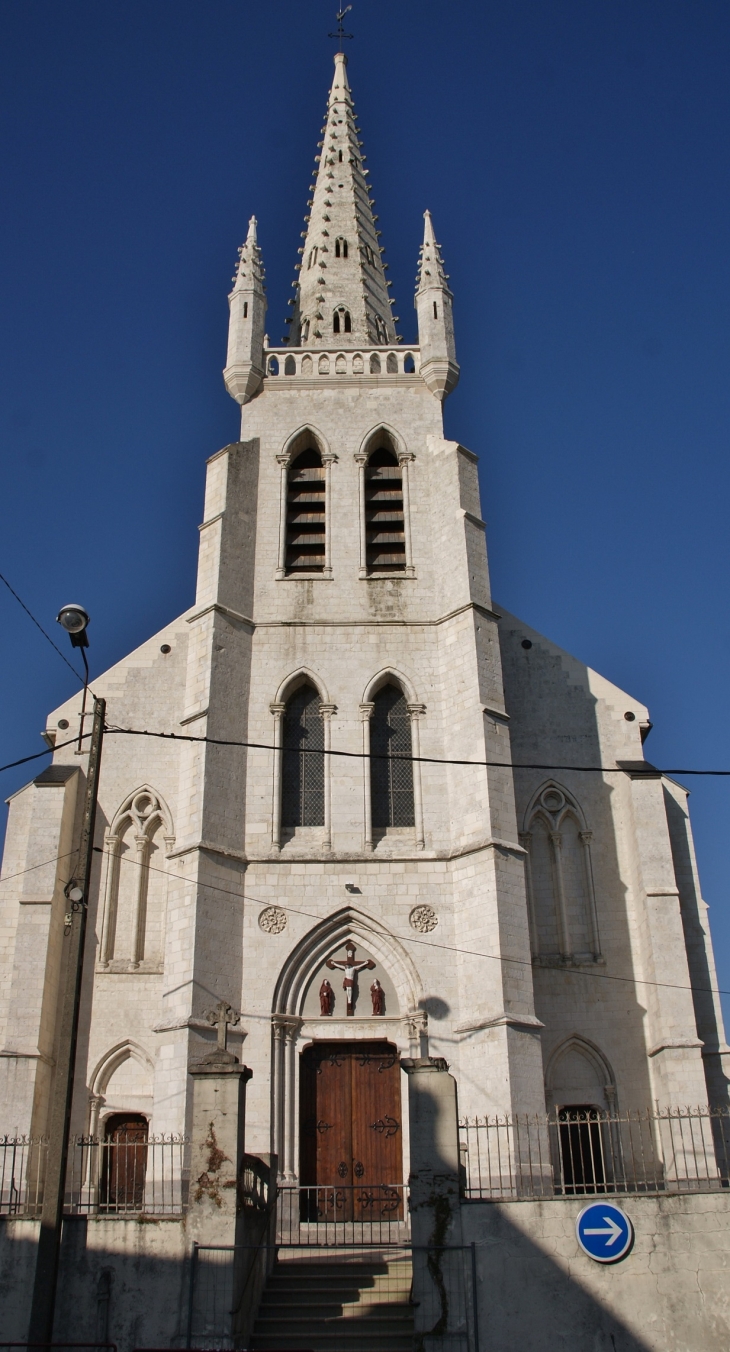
560	879
305	514
302	778
341	321
384	519
391	776
340	247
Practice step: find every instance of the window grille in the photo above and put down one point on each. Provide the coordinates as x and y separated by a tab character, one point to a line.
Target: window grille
302	779
305	514
384	519
391	780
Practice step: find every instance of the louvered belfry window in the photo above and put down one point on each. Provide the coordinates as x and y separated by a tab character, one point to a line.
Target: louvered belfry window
391	779
302	778
305	514
384	522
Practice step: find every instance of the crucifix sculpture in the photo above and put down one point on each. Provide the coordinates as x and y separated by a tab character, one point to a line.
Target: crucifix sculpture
223	1016
351	968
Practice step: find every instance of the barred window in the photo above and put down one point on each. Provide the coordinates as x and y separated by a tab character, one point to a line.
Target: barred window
384	521
302	779
305	514
391	779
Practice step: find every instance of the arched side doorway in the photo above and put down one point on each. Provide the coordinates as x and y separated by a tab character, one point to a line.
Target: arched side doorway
124	1162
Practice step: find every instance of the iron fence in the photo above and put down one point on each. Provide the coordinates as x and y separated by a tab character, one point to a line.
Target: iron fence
103	1177
310	1217
578	1151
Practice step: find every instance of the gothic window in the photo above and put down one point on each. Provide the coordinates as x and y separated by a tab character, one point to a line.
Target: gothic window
409	366
273	366
305	514
391	364
290	367
435	310
312	257
340	244
384	517
560	879
304	332
245	309
391	778
302	778
134	913
374	364
341	321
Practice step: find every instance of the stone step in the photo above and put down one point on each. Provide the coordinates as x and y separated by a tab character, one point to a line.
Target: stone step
321	1313
360	1306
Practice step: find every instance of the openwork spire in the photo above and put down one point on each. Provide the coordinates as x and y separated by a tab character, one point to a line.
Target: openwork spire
341	295
249	274
430	265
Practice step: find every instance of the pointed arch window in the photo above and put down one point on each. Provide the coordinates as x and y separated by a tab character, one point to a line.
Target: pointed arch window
302	777
340	243
306	514
341	320
384	515
561	894
133	929
391	773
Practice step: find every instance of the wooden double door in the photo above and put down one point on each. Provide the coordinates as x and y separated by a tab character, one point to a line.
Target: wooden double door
351	1150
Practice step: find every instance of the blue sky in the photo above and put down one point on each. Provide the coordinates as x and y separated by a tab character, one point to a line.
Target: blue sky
574	157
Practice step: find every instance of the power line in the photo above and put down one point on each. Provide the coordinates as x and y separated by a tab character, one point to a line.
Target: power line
428	943
48	751
637	768
45	635
425	760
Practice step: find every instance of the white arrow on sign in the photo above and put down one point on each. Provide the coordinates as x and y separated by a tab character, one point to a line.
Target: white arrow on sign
613	1230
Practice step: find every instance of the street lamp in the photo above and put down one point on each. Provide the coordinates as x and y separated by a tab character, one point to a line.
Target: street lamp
74	619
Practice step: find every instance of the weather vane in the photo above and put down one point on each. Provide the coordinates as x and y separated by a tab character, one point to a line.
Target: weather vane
341	34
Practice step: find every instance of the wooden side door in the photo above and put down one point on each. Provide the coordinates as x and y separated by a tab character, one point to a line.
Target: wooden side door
125	1162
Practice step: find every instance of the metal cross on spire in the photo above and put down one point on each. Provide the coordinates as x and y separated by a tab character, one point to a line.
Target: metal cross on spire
341	34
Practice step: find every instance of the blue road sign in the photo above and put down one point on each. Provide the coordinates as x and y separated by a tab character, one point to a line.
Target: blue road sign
604	1232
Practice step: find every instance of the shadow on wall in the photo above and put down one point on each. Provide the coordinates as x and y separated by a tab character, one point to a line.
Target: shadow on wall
695	926
133	1294
527	1300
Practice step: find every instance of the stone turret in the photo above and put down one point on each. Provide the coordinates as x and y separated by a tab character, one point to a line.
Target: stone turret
244	371
341	296
433	303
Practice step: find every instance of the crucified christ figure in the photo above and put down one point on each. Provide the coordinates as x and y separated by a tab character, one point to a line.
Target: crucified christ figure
350	969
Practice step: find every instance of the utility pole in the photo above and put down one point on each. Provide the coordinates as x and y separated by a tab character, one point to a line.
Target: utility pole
49	1240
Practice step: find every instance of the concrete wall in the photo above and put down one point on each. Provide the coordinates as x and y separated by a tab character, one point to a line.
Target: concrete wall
121	1280
538	1291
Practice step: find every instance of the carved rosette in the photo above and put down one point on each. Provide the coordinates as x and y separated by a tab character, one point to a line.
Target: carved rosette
272	920
424	919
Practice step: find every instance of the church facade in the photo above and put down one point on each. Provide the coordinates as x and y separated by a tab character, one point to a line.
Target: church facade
338	844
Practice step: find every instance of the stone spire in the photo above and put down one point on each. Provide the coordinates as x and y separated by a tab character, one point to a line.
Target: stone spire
244	370
341	295
433	302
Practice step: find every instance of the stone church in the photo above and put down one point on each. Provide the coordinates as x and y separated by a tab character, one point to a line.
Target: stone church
381	832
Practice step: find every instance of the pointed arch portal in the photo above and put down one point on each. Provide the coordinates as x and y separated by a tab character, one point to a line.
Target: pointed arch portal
338	1119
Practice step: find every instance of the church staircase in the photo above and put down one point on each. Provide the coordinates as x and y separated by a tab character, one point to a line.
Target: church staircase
335	1304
